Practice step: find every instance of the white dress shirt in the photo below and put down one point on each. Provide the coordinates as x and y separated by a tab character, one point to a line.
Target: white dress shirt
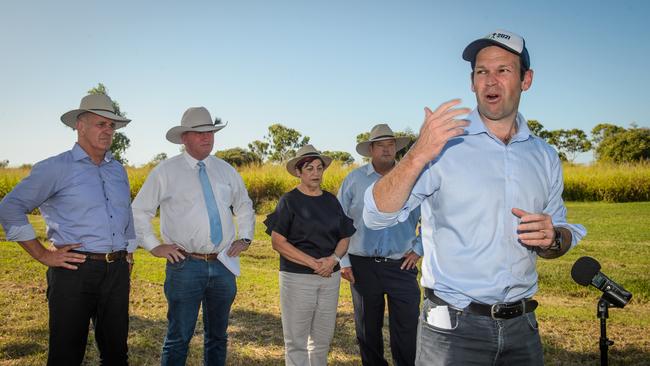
174	186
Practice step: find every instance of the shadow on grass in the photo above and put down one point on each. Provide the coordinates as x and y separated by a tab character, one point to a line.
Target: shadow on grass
253	333
628	356
26	343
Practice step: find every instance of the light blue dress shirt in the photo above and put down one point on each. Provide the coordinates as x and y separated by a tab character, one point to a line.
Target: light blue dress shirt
471	249
393	242
80	201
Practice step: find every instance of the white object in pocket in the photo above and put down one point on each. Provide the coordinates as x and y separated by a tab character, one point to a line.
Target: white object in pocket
438	317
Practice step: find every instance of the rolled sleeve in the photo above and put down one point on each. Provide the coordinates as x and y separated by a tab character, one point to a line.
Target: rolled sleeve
417	248
21	233
144	209
30	193
376	220
556	208
345	261
243	209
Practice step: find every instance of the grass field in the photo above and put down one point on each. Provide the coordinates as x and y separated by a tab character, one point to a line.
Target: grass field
618	237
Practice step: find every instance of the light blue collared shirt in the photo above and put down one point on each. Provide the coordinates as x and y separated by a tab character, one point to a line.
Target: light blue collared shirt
471	250
80	201
393	242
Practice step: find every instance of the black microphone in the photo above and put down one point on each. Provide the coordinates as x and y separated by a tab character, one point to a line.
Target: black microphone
586	271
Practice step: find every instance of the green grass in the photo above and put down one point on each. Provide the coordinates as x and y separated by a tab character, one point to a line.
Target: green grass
618	237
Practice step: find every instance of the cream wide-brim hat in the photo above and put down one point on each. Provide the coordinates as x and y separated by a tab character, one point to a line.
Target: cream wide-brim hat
99	104
195	119
305	152
378	133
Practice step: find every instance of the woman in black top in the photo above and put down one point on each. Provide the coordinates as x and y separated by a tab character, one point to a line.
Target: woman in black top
310	231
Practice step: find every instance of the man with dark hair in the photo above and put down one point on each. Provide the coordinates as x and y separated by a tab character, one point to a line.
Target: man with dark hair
83	195
381	264
491	202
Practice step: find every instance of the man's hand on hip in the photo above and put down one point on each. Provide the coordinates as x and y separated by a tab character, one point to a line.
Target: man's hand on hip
410	261
169	251
62	256
237	247
346	272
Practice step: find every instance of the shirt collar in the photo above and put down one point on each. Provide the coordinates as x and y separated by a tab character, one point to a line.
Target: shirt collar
192	162
78	153
476	126
370	169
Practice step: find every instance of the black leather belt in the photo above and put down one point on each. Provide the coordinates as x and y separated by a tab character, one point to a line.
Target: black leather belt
501	310
378	259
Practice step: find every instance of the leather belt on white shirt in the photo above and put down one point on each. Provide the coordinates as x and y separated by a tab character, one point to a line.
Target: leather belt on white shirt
206	257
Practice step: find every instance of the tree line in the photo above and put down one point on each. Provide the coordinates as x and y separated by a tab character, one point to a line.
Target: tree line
609	142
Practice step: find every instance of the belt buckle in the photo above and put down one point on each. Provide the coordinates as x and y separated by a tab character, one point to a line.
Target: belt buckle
494	309
108	258
205	256
380	259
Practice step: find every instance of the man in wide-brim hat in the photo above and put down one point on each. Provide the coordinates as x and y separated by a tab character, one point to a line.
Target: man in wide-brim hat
381	264
195	192
84	197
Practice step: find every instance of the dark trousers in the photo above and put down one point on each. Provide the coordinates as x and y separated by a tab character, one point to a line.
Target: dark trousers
96	290
373	281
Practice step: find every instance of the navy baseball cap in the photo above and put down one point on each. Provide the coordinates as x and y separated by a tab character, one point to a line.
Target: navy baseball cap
507	40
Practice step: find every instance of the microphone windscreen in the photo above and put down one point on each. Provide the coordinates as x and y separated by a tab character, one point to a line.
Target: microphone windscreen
584	270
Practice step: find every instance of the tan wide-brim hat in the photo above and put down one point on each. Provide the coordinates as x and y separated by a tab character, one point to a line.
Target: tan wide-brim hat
98	104
378	133
305	152
195	119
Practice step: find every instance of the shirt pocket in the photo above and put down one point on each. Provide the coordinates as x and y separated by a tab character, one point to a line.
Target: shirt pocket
223	193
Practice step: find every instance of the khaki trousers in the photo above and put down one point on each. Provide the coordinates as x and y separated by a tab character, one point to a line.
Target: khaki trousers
308	303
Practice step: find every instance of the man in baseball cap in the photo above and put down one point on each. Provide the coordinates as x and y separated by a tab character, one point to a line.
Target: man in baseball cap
490	194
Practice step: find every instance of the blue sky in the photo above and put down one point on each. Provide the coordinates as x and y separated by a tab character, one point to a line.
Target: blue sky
329	69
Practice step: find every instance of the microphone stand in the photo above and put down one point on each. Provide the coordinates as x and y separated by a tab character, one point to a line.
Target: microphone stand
604	343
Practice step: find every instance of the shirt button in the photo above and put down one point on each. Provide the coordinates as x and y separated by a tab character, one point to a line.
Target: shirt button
113	234
111	216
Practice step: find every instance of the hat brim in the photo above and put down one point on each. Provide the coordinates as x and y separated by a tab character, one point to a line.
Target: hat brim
363	148
70	118
291	164
174	134
472	49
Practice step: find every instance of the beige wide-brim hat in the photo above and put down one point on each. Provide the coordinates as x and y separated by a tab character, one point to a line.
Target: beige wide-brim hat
378	133
305	152
98	104
195	119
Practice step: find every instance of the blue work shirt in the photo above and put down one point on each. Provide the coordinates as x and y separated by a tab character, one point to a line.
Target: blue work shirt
81	202
469	234
393	242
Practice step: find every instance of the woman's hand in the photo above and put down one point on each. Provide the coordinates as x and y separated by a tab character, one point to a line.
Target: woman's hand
327	265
